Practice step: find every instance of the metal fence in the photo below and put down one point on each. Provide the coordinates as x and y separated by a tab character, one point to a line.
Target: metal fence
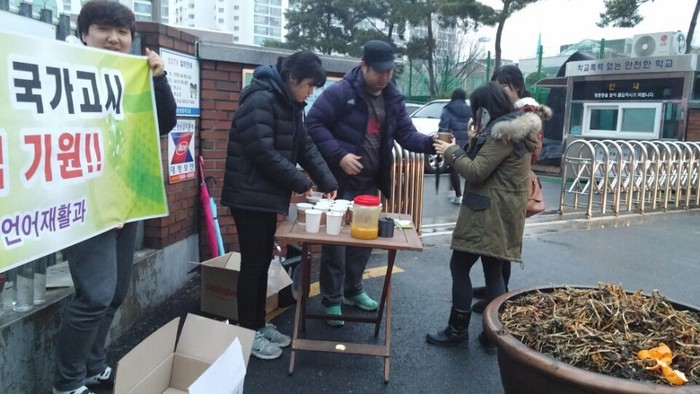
406	185
625	175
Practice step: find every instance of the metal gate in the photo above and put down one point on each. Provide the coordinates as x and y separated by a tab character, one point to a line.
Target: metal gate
630	175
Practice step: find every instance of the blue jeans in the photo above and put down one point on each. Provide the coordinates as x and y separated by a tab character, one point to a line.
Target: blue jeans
101	269
342	266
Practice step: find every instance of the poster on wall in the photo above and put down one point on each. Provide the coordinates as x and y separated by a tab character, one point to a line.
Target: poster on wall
183	77
181	166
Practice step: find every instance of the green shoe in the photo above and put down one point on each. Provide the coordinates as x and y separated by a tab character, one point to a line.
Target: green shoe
362	301
334	310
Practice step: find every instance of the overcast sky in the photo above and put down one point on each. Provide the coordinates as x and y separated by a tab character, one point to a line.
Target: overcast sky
570	21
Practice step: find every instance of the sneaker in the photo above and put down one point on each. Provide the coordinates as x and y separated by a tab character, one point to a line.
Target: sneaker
264	349
334	310
79	390
456	200
105	379
362	301
275	337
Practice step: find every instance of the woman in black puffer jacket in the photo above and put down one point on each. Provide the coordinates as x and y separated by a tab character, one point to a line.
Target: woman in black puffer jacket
266	142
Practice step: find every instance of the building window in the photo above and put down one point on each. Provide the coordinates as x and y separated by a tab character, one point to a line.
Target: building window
235	17
235	7
622	120
221	20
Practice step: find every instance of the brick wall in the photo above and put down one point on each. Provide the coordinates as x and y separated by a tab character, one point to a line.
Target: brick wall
183	197
221	87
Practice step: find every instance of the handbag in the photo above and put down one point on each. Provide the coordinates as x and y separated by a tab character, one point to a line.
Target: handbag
535	201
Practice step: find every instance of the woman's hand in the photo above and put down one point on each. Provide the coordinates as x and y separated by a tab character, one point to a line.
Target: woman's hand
155	63
441	146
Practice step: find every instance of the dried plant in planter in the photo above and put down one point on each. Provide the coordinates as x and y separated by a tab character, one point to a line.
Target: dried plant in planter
602	330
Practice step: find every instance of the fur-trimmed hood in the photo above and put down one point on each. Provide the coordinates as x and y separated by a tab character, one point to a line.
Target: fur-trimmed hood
518	127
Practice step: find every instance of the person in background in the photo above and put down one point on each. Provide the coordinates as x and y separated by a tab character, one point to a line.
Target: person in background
511	79
354	123
266	141
455	118
101	266
491	220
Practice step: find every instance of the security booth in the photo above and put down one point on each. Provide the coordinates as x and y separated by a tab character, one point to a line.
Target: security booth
649	98
631	133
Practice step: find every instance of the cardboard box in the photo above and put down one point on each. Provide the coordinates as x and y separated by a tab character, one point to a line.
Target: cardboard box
211	357
220	280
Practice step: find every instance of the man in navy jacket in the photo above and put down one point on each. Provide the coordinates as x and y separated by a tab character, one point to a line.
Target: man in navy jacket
354	123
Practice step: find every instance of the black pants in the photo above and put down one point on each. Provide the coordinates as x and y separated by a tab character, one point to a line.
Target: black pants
256	237
460	265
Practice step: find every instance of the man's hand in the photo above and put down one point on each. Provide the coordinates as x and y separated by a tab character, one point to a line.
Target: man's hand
332	195
155	63
351	164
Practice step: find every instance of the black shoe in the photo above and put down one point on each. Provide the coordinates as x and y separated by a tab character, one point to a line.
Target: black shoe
450	336
479	292
486	344
479	306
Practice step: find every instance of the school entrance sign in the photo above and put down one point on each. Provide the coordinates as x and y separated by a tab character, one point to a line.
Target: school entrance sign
79	145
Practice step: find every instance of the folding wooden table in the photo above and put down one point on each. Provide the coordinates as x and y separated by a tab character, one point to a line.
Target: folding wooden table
403	239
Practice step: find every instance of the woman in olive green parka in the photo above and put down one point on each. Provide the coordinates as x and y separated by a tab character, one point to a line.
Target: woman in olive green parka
491	221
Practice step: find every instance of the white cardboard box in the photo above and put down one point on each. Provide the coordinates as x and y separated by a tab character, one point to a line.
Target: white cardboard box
210	358
220	281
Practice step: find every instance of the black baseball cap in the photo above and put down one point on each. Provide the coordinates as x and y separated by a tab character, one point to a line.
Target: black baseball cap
379	55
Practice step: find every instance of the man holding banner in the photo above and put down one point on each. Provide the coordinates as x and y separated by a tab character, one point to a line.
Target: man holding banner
101	266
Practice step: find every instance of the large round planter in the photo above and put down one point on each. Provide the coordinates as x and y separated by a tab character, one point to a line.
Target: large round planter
524	370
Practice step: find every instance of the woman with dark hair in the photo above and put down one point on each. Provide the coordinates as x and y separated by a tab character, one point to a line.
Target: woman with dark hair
101	266
455	118
266	141
512	81
491	219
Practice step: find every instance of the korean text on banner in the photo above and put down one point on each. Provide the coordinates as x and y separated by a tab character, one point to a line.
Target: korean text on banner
79	145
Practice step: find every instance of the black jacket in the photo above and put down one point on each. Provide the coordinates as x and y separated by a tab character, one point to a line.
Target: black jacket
266	141
165	104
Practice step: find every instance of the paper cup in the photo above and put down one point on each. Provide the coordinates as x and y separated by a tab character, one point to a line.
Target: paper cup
323	207
343	210
301	214
445	136
333	222
313	220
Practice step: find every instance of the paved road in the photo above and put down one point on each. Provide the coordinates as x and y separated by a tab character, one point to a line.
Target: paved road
653	251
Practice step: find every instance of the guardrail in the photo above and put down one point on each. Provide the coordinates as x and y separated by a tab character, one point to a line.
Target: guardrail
630	175
406	185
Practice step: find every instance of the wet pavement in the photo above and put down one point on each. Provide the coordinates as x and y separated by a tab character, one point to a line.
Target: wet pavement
650	251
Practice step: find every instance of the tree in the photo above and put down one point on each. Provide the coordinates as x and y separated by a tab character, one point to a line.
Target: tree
625	13
488	16
323	25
